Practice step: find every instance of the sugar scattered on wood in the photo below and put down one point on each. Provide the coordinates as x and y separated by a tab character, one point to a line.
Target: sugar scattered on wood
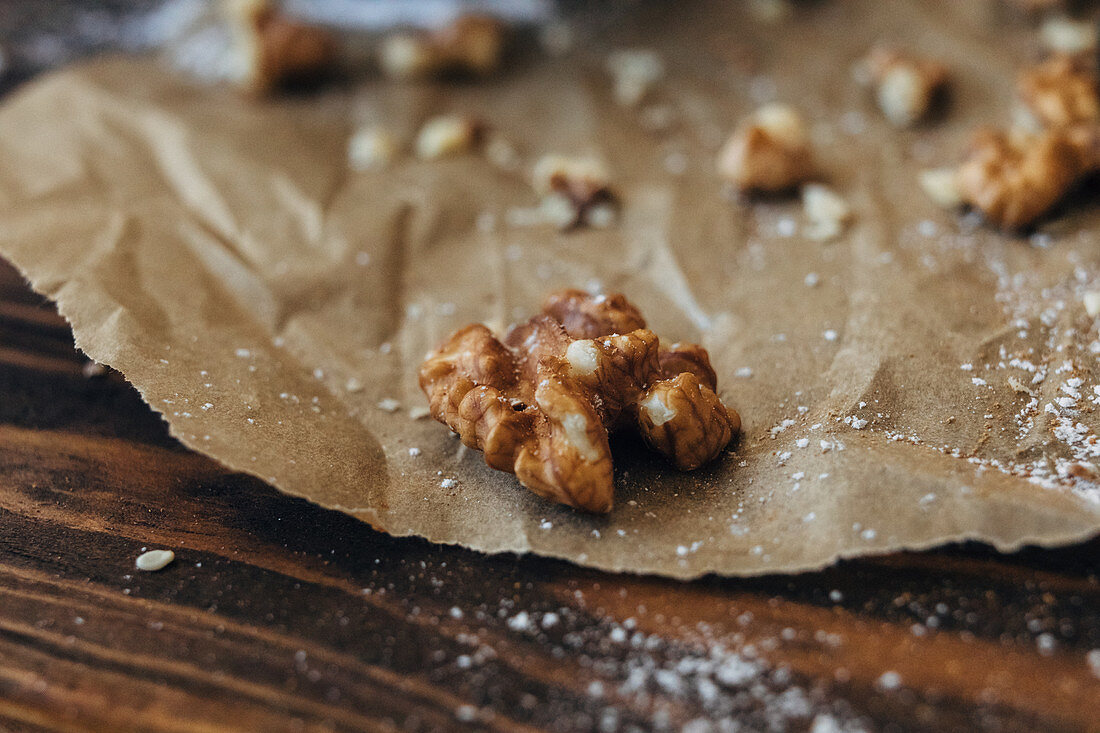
154	560
888	681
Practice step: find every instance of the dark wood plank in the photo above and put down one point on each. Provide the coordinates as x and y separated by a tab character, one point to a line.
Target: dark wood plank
278	615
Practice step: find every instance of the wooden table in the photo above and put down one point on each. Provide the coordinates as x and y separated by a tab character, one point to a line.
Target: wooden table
278	615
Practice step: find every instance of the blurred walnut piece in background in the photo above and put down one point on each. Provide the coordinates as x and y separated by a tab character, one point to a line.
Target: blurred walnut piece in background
448	135
274	51
1062	91
574	191
472	44
541	402
769	152
905	86
1015	177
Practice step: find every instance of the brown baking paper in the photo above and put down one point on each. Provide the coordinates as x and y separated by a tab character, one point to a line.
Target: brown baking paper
919	379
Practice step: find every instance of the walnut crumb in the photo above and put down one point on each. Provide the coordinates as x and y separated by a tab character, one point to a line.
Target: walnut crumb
940	186
574	191
448	135
826	211
905	85
1091	301
371	148
472	44
634	73
272	50
1060	92
1062	34
769	151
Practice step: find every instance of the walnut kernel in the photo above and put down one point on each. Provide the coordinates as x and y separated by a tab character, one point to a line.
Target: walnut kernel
769	151
905	86
273	50
471	44
574	191
1014	178
1061	91
1091	302
826	211
371	147
1062	34
541	402
940	185
448	135
634	73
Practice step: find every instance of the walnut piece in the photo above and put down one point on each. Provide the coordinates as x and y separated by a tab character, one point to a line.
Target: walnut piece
472	44
371	148
541	402
448	135
826	211
1062	34
1061	91
939	184
276	51
905	86
574	191
1091	300
769	152
634	72
1014	178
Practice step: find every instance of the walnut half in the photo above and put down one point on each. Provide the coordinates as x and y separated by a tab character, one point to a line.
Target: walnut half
541	402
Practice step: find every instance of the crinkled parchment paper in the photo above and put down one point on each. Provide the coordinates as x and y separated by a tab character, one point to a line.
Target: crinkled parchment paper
264	298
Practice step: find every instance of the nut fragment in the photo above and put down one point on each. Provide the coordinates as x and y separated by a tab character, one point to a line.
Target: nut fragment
1061	91
574	191
541	402
768	152
826	211
634	73
448	135
371	148
905	86
1062	34
1014	178
1091	300
940	185
472	44
274	51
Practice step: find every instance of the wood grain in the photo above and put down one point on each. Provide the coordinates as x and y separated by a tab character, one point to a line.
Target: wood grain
278	615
